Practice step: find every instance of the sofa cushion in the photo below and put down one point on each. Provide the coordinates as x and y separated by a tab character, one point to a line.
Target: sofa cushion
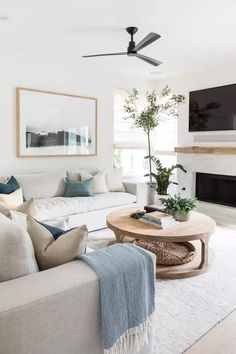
30	208
42	185
114	180
12	200
98	181
52	208
16	251
75	174
78	188
50	252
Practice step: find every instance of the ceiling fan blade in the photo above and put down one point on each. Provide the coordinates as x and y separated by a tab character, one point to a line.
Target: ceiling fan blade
149	60
151	37
103	55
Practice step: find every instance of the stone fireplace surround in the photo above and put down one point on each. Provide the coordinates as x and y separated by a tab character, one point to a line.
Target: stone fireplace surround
216	163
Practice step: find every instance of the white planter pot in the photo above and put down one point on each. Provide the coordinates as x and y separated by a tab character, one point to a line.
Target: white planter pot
181	216
151	192
157	199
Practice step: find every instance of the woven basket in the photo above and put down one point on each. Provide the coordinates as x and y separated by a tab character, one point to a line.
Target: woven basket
169	253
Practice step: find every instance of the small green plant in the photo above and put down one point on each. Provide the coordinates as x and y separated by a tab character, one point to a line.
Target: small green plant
162	174
178	204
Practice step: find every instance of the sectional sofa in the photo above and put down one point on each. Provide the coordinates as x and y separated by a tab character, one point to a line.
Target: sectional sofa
57	311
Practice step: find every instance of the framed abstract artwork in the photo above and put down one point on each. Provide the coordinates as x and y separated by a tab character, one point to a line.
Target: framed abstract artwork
55	124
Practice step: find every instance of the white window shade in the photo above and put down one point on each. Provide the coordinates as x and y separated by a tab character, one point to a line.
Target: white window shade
131	145
164	137
125	136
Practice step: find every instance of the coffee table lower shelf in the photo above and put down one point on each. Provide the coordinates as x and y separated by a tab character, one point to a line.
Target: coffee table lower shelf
187	270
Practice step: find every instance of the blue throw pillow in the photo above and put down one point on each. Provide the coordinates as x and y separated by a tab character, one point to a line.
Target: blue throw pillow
6	188
55	231
11	186
79	189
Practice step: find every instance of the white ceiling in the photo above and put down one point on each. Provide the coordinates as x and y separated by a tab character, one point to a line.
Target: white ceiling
195	35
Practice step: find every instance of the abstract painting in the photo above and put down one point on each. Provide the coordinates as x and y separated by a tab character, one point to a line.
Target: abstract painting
55	124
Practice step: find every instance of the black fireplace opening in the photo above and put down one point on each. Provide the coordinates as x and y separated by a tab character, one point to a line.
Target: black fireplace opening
217	189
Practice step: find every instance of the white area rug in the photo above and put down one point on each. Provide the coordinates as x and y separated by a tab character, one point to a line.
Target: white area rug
188	308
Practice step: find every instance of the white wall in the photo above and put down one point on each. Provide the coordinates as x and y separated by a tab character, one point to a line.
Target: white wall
59	73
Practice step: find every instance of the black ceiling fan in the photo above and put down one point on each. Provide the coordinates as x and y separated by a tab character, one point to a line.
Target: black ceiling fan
133	49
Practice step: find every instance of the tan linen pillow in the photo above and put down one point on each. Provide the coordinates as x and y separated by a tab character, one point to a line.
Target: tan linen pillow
12	200
99	181
30	208
16	251
50	252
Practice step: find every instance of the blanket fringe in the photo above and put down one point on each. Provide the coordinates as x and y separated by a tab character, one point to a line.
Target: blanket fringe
133	339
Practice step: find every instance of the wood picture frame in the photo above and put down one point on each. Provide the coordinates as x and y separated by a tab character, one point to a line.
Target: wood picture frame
55	124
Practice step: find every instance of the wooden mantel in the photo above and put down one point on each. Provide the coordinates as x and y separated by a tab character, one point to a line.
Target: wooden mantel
230	150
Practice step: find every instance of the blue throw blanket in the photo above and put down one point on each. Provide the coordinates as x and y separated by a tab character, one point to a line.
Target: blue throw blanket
126	277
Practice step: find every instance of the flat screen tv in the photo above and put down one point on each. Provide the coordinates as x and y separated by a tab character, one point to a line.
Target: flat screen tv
213	109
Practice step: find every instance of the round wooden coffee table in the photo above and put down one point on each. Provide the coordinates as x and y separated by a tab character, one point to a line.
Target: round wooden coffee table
198	227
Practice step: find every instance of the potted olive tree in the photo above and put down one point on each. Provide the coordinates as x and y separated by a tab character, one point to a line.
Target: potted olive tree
179	207
162	177
159	108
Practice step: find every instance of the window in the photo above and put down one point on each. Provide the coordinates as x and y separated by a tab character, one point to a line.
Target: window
130	144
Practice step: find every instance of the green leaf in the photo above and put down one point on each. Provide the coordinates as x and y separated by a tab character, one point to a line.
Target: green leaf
177	203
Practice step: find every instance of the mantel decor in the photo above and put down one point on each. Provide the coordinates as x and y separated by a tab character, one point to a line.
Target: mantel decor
55	124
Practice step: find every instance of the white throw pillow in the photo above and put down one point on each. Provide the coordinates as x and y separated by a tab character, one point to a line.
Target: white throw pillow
51	252
12	200
42	185
114	180
99	181
16	251
30	208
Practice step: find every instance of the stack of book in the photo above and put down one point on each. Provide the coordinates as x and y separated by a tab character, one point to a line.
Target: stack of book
158	219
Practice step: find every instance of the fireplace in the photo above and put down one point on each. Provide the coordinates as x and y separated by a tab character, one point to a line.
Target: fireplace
217	189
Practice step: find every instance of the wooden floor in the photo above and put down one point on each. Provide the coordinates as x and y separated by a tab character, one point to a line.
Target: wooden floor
220	340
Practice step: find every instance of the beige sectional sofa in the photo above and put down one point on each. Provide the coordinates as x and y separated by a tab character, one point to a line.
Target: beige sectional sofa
57	311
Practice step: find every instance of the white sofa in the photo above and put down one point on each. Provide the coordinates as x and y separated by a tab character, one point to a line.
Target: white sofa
91	211
48	189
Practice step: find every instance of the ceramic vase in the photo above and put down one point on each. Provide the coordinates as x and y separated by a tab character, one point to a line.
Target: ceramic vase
181	216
